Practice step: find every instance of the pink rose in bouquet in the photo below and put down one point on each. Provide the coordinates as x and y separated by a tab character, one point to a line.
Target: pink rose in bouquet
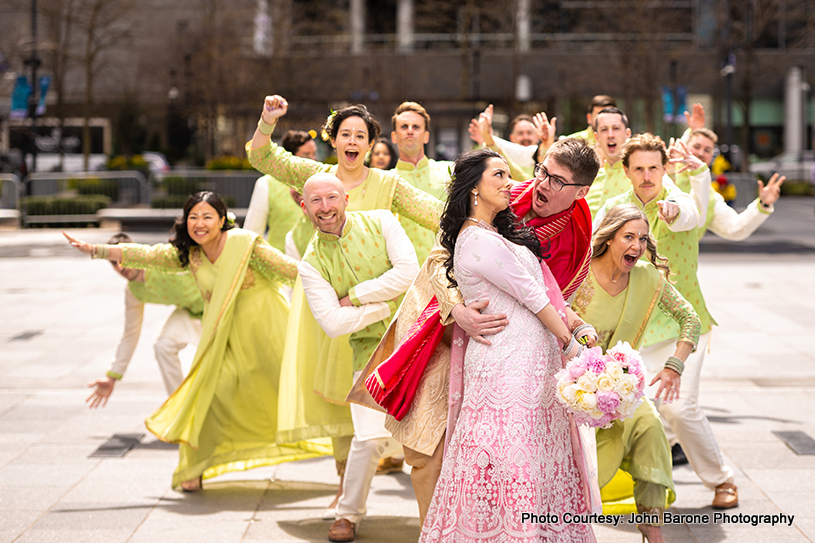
600	388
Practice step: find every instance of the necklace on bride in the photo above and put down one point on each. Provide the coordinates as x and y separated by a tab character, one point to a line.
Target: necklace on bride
482	224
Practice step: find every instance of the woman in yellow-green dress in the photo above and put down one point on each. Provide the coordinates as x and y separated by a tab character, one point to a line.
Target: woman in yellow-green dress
224	415
317	370
619	298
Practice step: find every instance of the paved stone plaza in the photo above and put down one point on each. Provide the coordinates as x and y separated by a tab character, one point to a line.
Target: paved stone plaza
62	316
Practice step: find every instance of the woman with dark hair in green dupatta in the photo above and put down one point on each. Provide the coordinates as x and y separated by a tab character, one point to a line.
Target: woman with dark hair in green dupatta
619	298
224	415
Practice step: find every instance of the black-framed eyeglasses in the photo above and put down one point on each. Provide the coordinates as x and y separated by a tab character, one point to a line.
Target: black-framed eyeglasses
557	183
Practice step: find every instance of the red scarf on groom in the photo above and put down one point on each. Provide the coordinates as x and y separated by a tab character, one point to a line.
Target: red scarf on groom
565	237
566	243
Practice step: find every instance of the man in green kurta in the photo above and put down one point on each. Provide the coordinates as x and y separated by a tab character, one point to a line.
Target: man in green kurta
597	104
611	130
353	273
644	160
411	132
181	328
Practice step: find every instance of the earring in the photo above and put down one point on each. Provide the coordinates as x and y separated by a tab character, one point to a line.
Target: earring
475	198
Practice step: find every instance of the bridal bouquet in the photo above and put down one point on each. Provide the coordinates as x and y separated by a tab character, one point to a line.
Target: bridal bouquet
601	388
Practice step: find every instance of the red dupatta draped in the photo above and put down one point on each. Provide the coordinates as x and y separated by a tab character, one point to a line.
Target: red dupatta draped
393	384
565	237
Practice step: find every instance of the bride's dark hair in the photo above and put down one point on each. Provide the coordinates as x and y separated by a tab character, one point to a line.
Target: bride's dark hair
467	173
181	239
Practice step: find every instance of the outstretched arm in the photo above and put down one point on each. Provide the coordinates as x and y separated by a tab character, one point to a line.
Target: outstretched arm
273	264
267	157
422	208
729	224
163	256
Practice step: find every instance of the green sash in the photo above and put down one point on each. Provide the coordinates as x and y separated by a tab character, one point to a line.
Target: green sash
645	284
181	417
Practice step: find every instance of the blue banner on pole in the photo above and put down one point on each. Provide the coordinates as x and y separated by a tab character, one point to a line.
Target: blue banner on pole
19	98
45	81
674	112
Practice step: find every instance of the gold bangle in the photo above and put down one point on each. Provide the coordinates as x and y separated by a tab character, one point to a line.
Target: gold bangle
100	252
265	128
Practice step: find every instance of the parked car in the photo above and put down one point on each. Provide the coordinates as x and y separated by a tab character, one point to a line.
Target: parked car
156	162
794	165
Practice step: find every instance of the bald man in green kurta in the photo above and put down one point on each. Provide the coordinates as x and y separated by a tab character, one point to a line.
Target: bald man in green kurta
354	271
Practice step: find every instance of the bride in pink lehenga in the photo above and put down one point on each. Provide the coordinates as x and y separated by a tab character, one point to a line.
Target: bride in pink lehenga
513	451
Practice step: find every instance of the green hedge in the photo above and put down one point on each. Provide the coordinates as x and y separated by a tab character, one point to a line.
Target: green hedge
797	188
227	162
180	186
176	201
105	187
61	205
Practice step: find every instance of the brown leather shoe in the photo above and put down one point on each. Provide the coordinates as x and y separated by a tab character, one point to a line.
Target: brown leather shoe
389	465
342	530
727	496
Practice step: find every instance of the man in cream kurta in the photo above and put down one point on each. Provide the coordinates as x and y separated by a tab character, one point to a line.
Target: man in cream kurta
411	132
181	328
642	159
721	219
353	272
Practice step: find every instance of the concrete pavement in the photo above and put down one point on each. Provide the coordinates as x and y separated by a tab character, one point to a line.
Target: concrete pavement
62	316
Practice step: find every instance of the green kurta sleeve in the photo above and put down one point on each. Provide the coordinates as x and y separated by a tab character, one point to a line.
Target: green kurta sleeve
680	310
162	257
290	170
273	264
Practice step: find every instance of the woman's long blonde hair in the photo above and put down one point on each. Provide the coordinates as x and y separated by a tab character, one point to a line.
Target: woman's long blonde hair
614	220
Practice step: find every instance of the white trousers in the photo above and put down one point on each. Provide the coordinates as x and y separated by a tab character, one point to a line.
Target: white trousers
684	416
178	331
370	443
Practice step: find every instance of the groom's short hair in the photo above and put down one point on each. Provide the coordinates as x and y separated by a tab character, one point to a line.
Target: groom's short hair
578	157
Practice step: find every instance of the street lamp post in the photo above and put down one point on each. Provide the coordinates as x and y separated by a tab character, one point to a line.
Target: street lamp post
33	98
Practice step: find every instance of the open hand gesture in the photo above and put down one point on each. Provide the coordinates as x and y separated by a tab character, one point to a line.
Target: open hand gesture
102	389
546	129
696	119
669	382
679	153
79	244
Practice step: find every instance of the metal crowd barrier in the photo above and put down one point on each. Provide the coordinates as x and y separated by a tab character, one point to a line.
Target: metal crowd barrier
10	191
173	187
75	197
746	188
